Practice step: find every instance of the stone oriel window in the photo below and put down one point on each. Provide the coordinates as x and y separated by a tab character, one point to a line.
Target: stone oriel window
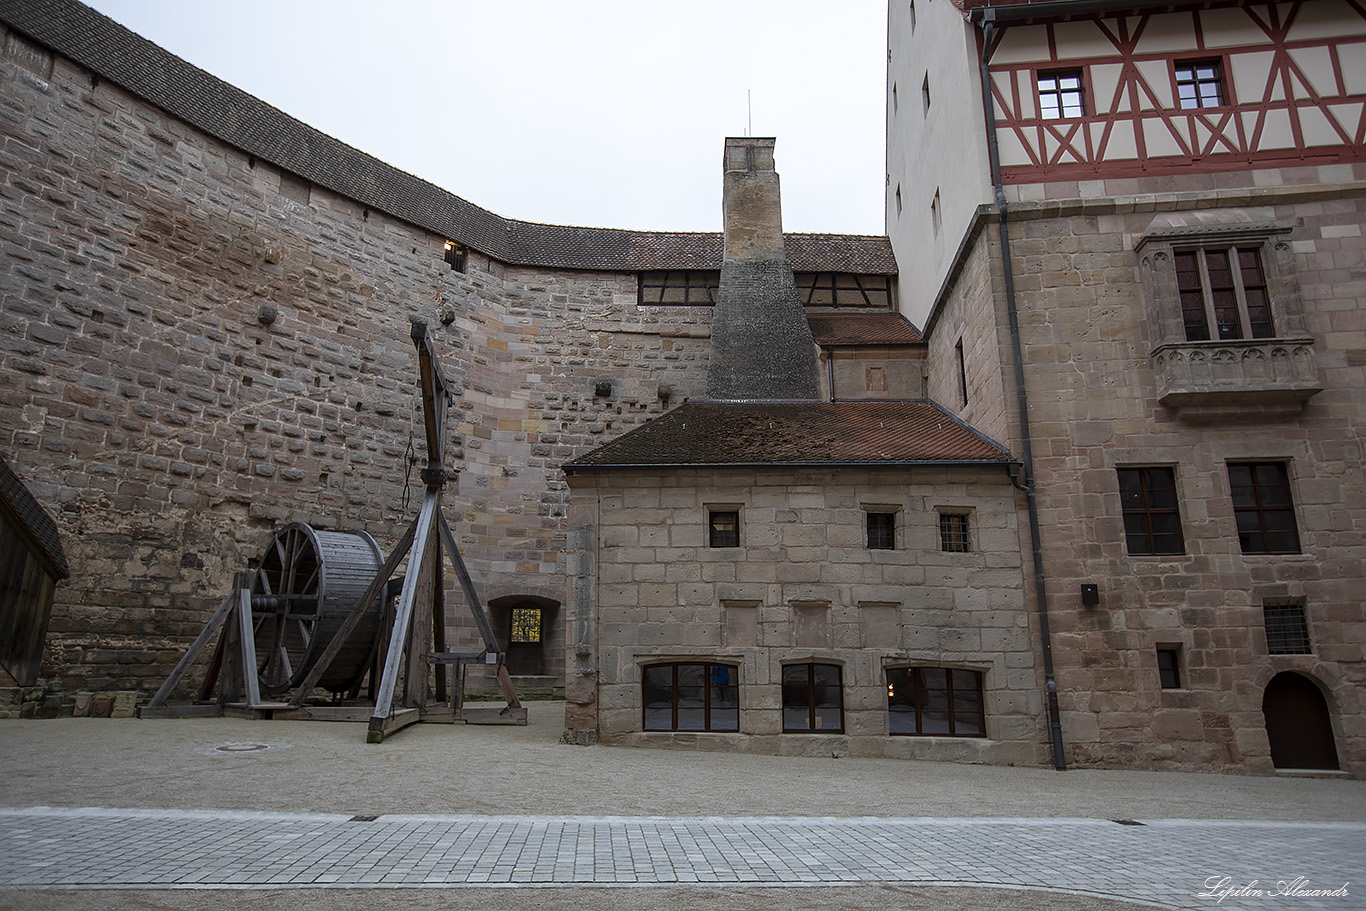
1223	294
881	530
1060	95
1169	666
935	700
813	699
953	533
1199	84
723	528
1287	630
691	697
1152	521
1262	508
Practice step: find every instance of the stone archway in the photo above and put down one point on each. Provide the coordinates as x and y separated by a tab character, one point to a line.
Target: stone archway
1298	724
527	632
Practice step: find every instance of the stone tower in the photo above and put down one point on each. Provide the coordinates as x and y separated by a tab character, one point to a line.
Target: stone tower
761	347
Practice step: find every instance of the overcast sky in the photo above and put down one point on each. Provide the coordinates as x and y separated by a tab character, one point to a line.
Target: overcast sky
608	113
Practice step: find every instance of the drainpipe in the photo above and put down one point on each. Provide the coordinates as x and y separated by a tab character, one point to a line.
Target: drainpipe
988	19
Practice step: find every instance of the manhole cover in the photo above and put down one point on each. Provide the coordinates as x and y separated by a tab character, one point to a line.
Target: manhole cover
244	747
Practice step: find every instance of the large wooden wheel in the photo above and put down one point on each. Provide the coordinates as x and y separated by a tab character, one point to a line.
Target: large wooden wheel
307	584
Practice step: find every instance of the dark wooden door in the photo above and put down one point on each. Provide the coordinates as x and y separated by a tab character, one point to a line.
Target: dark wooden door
1297	724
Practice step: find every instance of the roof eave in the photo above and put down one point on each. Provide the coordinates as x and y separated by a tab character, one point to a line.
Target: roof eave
570	467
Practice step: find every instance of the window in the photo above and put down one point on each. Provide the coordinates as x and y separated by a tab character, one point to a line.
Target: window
526	624
1216	294
1287	631
1169	666
1262	508
844	289
1060	95
935	700
881	531
690	287
813	699
691	697
925	93
455	255
1198	84
724	528
1152	524
962	375
953	533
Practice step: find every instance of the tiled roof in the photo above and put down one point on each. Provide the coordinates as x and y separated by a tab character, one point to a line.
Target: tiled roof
700	434
248	123
33	519
863	329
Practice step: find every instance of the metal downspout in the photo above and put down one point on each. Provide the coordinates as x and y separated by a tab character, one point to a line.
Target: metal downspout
1021	397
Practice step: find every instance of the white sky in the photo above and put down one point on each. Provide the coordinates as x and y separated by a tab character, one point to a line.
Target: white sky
609	113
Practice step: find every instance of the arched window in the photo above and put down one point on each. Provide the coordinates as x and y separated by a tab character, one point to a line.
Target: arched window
935	700
813	699
691	697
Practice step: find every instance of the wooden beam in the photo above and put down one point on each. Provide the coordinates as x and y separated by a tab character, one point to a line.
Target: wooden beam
481	617
247	638
506	715
180	711
403	615
349	624
390	724
190	656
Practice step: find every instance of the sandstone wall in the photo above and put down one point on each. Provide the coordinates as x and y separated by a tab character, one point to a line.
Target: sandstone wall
197	348
802	586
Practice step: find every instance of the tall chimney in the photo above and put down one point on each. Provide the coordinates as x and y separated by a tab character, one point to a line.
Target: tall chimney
761	347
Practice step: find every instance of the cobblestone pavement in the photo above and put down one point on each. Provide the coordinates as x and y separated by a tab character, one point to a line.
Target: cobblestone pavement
1164	863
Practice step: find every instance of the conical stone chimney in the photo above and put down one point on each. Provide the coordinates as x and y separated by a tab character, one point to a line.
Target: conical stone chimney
761	346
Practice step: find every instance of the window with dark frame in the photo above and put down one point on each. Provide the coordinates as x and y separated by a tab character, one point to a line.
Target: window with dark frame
455	255
691	697
1152	520
935	700
526	624
844	289
682	288
1169	666
881	530
723	528
953	533
1287	629
1060	95
1199	84
1262	508
1223	294
813	699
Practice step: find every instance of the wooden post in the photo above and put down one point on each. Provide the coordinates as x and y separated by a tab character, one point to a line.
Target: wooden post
247	638
214	624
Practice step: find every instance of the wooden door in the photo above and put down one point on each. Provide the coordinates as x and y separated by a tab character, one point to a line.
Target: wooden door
1297	724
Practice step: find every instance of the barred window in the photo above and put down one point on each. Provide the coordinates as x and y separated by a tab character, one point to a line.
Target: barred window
953	533
1287	630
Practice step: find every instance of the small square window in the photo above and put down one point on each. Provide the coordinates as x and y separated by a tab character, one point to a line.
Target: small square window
881	531
1060	95
724	528
1287	631
953	533
1169	666
1199	84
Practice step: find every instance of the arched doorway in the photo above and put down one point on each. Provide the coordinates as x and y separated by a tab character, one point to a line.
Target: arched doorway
1297	724
526	630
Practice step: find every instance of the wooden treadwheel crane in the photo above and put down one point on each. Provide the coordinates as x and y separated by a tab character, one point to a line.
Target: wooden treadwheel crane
320	611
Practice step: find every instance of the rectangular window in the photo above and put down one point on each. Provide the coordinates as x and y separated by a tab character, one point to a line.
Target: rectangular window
1169	666
813	699
935	700
1224	289
1152	523
1287	631
1060	95
1199	85
526	624
1262	508
455	255
723	528
691	697
962	375
689	287
953	533
881	531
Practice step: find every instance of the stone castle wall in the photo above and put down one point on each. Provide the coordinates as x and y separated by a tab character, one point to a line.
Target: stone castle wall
198	348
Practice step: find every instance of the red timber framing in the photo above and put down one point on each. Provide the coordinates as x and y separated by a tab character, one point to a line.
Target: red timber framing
1293	80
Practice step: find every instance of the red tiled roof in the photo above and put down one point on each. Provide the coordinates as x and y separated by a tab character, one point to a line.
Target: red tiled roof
246	122
797	433
863	329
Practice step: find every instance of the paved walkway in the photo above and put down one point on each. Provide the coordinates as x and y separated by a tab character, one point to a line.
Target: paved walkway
1165	863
